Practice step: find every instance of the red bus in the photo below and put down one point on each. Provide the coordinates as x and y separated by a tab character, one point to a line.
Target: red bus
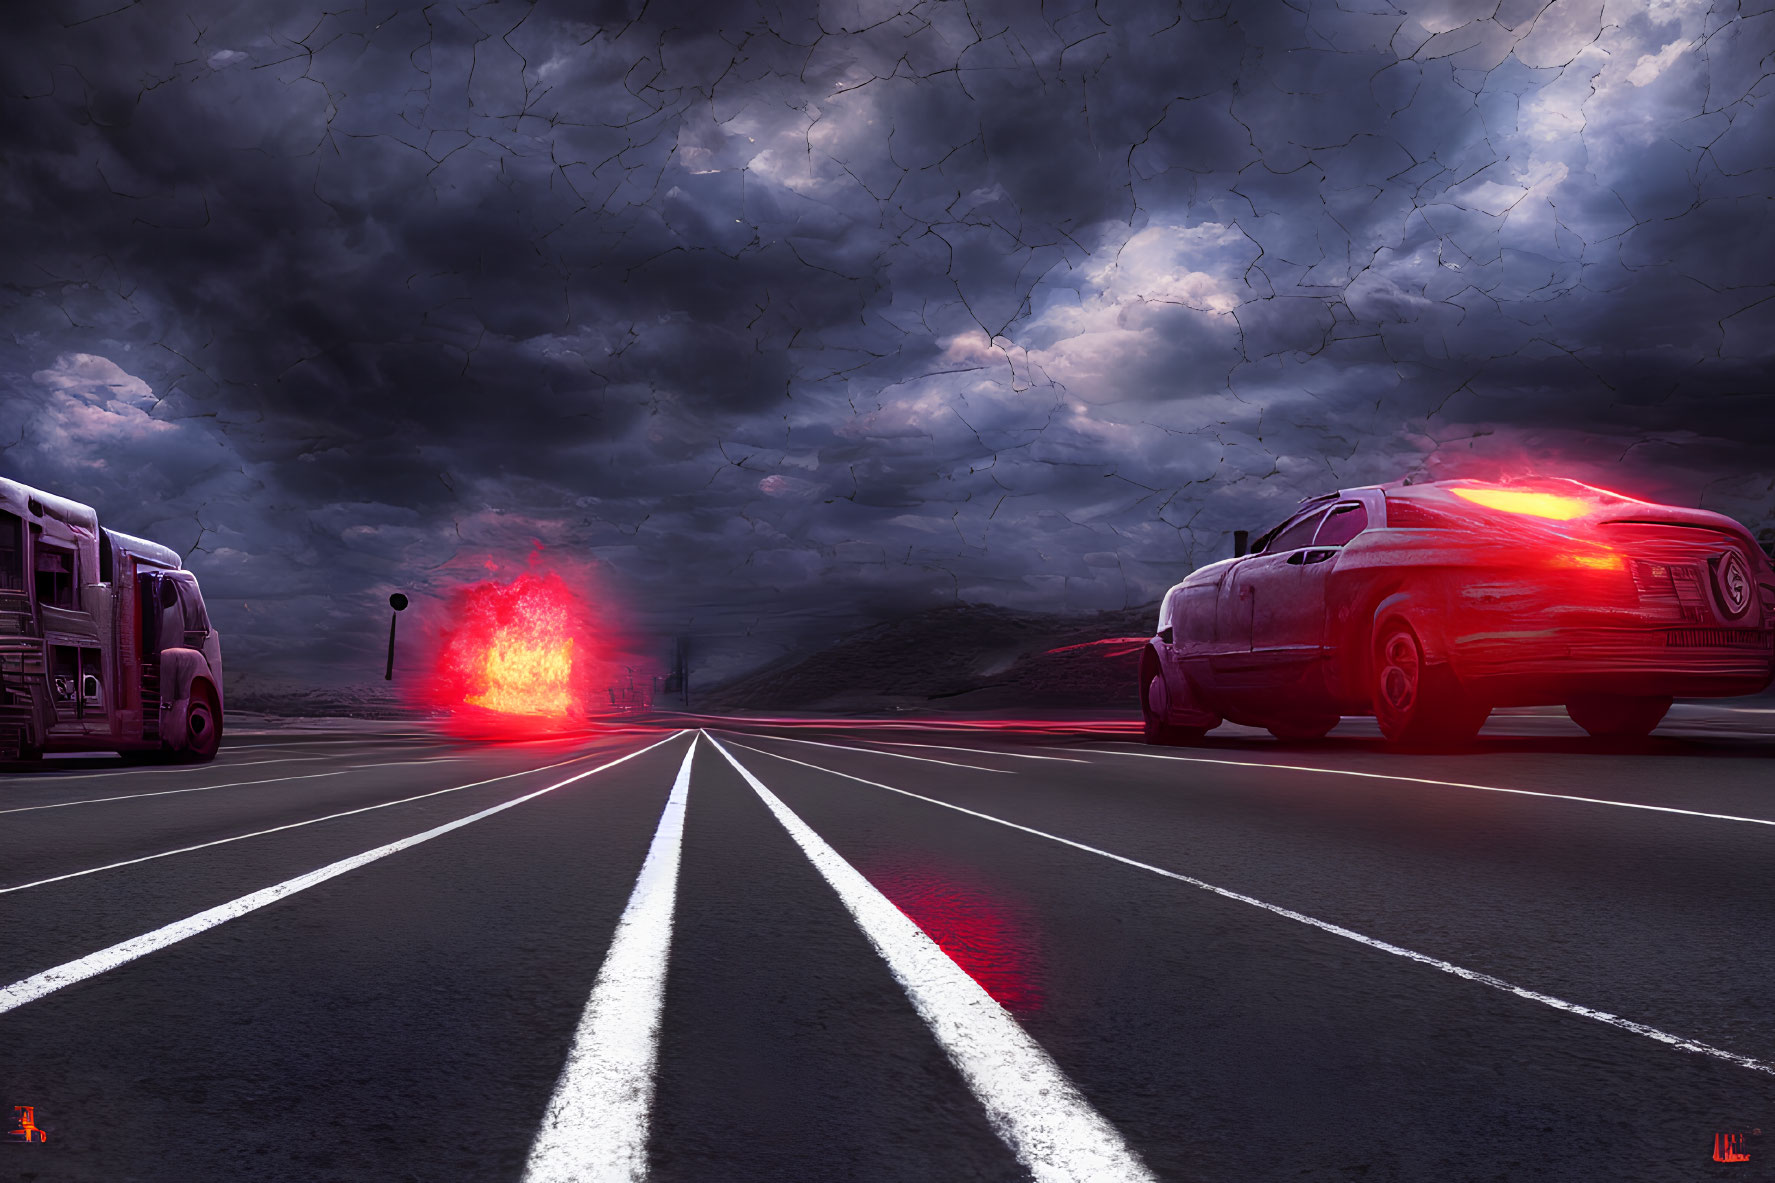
105	644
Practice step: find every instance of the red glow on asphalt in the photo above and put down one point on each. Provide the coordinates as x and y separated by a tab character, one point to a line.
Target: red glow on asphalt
985	937
515	656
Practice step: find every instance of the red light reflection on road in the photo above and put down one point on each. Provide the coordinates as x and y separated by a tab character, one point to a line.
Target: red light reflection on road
992	942
1125	646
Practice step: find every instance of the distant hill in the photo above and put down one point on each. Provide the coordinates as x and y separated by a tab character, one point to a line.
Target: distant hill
964	658
368	700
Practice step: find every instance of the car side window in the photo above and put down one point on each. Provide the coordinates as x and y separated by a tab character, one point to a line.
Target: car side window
1343	523
1296	534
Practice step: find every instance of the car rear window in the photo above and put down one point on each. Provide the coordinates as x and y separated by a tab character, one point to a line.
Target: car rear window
1343	523
1296	535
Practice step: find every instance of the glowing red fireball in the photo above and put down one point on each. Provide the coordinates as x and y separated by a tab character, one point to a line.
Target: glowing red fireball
515	650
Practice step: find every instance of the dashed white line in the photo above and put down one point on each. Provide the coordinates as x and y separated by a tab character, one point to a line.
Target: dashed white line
1449	784
896	755
37	985
290	826
1030	1102
595	1128
1679	1042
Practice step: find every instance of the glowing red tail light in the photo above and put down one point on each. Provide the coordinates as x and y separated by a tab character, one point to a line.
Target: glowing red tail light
1554	506
1592	561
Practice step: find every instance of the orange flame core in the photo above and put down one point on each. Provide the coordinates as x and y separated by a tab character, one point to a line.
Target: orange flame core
510	649
526	678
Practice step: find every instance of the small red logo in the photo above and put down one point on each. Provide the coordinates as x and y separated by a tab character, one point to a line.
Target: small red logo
26	1129
1729	1148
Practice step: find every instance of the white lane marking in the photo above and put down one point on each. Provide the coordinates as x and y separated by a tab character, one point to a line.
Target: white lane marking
597	1120
896	755
362	743
237	784
292	825
1450	784
1030	1102
977	751
117	772
37	985
1677	1041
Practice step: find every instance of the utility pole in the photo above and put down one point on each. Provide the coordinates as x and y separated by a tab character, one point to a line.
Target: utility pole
678	681
399	603
683	670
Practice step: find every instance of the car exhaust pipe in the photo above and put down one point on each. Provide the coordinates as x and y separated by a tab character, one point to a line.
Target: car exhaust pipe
1241	539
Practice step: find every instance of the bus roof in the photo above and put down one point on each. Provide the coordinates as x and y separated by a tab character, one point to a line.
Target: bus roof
141	548
30	503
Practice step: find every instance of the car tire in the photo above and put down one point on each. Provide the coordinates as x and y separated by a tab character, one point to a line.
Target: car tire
1418	704
1302	730
1155	707
1617	716
203	726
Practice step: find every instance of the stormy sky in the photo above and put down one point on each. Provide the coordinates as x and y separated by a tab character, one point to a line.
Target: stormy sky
779	318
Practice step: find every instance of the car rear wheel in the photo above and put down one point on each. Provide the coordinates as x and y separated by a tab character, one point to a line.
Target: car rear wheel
1617	716
1155	709
1418	704
203	726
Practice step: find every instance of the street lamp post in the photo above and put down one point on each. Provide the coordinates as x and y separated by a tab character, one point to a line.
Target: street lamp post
399	603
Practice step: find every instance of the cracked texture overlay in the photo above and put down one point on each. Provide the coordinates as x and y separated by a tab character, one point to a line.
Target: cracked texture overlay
791	317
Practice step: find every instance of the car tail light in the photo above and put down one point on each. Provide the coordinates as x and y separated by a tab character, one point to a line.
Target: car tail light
1602	560
1654	579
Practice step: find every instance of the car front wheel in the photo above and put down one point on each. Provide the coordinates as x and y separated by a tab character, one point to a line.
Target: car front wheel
1155	709
1418	704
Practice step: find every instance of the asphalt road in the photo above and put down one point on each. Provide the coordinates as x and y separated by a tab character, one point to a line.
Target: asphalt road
871	952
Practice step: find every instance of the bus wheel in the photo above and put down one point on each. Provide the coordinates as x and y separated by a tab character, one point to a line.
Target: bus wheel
203	726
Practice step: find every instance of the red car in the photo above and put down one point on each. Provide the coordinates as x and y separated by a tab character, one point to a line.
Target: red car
1426	605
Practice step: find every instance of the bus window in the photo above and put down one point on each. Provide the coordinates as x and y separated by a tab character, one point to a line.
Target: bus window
55	576
12	553
196	619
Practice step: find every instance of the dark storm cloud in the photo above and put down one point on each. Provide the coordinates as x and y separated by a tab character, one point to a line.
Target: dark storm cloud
793	315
